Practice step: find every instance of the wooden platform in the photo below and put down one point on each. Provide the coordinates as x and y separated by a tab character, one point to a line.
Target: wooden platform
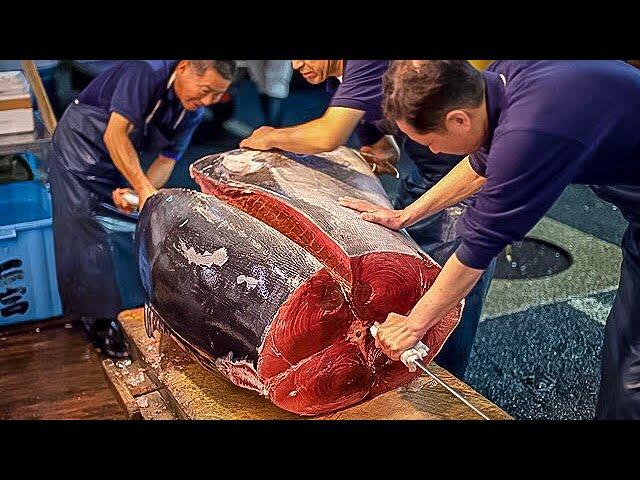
164	381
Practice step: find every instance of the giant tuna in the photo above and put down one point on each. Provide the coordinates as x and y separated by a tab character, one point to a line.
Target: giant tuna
264	277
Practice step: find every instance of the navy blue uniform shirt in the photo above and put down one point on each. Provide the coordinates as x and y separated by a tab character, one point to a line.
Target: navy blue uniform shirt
361	89
133	88
554	123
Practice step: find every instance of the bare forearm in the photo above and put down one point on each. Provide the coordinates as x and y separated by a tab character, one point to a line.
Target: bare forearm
308	138
453	283
125	158
460	183
320	135
160	170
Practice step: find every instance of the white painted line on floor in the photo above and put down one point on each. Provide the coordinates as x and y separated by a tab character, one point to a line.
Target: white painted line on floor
593	308
568	298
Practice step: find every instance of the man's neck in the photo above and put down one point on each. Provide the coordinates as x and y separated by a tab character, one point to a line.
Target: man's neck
336	68
484	120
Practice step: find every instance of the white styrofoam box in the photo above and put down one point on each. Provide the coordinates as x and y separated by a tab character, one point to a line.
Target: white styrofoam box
13	83
16	110
19	120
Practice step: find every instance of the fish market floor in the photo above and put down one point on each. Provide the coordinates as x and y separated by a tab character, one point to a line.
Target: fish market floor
537	350
49	371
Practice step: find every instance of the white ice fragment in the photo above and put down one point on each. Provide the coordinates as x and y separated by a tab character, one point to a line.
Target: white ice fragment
278	272
135	380
294	282
250	281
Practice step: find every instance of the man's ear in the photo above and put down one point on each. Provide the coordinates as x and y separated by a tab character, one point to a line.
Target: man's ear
457	120
182	66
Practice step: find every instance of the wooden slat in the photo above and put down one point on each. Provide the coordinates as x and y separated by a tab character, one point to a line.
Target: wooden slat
153	407
195	393
44	106
15	103
134	377
31	327
120	390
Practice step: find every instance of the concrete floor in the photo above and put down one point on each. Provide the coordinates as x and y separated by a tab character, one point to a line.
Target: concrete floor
537	350
542	362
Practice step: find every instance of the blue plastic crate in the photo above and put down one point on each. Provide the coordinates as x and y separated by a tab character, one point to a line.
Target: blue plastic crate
28	284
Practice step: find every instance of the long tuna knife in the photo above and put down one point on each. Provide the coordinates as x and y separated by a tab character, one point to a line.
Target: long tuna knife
414	355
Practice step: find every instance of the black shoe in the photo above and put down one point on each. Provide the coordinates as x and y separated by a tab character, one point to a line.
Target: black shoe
114	344
105	334
95	329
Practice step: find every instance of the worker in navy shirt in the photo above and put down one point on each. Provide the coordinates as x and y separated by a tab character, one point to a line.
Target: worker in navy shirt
356	104
531	128
356	88
131	108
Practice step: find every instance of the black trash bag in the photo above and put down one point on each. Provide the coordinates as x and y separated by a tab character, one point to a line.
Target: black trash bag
14	168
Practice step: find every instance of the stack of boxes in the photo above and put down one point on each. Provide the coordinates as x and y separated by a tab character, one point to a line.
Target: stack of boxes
28	284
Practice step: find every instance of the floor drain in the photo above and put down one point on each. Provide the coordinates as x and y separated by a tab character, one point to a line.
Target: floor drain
531	258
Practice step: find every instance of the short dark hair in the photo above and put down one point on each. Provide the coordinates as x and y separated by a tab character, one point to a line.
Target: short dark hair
226	68
421	92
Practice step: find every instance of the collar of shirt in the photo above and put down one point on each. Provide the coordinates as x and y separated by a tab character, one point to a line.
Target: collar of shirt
494	95
170	94
334	82
171	97
174	105
332	85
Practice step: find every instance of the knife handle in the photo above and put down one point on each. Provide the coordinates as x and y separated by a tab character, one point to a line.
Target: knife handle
410	356
131	198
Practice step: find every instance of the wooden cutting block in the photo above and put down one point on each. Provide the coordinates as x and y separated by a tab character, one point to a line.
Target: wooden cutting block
192	392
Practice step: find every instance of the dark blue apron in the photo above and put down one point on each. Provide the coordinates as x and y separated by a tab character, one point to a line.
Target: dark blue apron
96	270
420	170
619	393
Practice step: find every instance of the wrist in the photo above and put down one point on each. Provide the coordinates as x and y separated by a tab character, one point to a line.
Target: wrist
276	137
416	325
147	190
406	217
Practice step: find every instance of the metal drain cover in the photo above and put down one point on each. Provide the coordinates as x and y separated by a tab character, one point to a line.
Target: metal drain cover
531	258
